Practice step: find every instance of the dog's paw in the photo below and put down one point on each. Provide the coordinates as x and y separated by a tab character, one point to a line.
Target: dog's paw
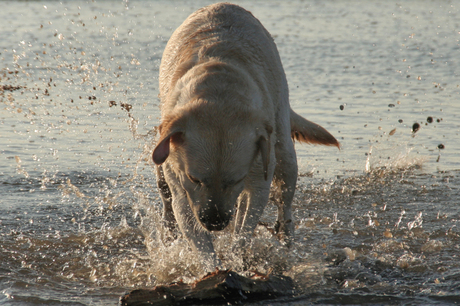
284	230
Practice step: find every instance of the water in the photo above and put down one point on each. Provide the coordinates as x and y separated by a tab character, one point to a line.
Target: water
376	222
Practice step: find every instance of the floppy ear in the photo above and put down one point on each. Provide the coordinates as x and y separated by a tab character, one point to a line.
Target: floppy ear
161	151
264	148
170	131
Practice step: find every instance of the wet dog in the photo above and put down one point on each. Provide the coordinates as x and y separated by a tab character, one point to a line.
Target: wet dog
227	129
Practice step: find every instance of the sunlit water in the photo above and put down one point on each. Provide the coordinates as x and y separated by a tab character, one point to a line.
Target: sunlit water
376	222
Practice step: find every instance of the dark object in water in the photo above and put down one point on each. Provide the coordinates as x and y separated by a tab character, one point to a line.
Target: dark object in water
10	87
441	146
341	107
415	127
429	119
219	287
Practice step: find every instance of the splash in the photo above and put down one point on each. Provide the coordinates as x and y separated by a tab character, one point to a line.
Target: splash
397	157
19	168
172	258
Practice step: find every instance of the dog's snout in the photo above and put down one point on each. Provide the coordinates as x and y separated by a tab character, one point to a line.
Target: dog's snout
214	224
213	219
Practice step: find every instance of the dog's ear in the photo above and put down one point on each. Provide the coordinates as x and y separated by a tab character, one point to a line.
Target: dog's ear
263	145
161	151
170	132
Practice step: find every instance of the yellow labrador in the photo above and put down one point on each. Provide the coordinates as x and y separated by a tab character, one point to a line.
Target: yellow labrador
225	134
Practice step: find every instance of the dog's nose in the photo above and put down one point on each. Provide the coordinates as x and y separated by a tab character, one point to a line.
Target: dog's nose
214	220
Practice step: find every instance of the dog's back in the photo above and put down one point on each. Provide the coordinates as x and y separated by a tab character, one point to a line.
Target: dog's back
226	33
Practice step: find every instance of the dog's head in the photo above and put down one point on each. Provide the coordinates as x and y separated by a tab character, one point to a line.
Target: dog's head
212	154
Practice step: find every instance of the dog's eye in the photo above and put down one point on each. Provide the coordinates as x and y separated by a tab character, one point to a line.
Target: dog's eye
240	180
194	179
233	182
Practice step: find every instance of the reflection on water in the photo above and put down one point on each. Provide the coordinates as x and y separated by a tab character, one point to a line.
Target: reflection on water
375	223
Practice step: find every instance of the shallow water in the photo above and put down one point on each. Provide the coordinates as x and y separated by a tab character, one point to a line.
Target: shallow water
376	222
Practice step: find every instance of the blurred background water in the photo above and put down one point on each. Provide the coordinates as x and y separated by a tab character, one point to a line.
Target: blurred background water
376	222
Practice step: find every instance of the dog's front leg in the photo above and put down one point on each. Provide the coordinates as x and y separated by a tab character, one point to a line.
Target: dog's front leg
250	208
240	212
198	238
166	198
253	200
284	183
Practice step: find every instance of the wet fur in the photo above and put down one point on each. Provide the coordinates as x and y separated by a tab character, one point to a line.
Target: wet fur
226	119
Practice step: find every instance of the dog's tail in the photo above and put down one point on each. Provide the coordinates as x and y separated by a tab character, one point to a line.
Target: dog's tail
306	131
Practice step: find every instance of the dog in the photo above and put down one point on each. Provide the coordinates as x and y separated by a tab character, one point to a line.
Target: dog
227	130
